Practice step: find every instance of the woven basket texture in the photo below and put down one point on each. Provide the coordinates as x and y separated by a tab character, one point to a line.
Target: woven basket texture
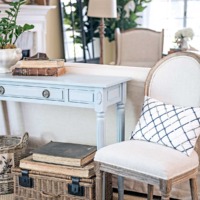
12	149
48	186
7	197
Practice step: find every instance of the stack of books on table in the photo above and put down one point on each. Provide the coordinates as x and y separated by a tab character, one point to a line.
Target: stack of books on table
62	158
54	67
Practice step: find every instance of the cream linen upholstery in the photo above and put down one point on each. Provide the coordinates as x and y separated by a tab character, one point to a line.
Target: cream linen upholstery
182	80
174	80
149	158
138	47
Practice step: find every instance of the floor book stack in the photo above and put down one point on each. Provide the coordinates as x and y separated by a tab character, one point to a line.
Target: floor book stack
60	171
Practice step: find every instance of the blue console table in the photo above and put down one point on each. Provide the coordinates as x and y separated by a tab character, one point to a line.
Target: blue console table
88	91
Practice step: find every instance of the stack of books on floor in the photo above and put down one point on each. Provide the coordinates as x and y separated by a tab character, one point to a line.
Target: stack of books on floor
49	67
56	170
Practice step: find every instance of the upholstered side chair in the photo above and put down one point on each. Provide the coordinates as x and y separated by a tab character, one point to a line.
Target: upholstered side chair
174	80
138	47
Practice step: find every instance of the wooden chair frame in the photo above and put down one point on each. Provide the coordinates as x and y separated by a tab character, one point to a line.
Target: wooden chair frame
165	186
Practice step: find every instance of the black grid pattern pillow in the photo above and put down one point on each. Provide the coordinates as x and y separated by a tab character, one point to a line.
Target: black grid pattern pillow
169	125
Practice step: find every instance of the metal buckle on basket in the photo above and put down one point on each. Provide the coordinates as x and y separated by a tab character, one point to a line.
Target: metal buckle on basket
25	180
74	188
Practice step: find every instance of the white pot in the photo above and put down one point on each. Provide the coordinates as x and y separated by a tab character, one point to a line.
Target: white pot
8	58
185	43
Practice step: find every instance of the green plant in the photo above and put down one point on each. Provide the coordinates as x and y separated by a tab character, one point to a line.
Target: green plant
126	19
9	30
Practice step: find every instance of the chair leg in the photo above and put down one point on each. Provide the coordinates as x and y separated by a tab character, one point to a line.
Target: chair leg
150	192
99	176
107	188
193	188
165	188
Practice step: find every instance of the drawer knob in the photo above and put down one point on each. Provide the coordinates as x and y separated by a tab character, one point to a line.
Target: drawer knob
46	93
2	90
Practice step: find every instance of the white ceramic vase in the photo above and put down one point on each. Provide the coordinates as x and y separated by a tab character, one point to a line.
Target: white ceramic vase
185	43
8	58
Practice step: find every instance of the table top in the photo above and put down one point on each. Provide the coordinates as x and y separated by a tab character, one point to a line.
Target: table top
67	79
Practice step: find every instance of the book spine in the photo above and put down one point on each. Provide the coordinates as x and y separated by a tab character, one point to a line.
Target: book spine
53	71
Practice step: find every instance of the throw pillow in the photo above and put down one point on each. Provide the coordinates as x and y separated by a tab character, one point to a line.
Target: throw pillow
169	125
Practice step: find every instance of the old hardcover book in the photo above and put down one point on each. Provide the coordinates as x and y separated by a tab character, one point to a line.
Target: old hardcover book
65	153
41	63
41	71
85	172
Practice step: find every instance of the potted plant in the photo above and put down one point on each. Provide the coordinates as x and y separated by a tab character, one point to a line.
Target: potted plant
183	38
9	33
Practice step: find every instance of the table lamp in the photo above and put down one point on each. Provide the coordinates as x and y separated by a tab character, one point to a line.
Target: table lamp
102	9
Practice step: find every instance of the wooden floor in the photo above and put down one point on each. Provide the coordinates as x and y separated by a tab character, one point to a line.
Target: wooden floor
135	196
126	197
131	196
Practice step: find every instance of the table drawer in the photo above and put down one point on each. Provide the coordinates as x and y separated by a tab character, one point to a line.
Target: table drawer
18	91
80	96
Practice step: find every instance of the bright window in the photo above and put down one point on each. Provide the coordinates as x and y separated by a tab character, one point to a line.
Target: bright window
172	15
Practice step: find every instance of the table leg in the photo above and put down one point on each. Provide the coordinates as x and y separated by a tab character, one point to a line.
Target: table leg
120	137
4	118
120	188
120	122
100	130
101	141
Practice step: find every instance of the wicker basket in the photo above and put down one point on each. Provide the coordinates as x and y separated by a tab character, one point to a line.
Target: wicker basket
12	149
49	186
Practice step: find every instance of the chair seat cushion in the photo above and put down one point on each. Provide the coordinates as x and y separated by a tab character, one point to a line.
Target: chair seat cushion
148	158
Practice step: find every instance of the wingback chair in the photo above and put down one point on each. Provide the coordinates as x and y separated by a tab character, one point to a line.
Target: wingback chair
138	47
170	155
